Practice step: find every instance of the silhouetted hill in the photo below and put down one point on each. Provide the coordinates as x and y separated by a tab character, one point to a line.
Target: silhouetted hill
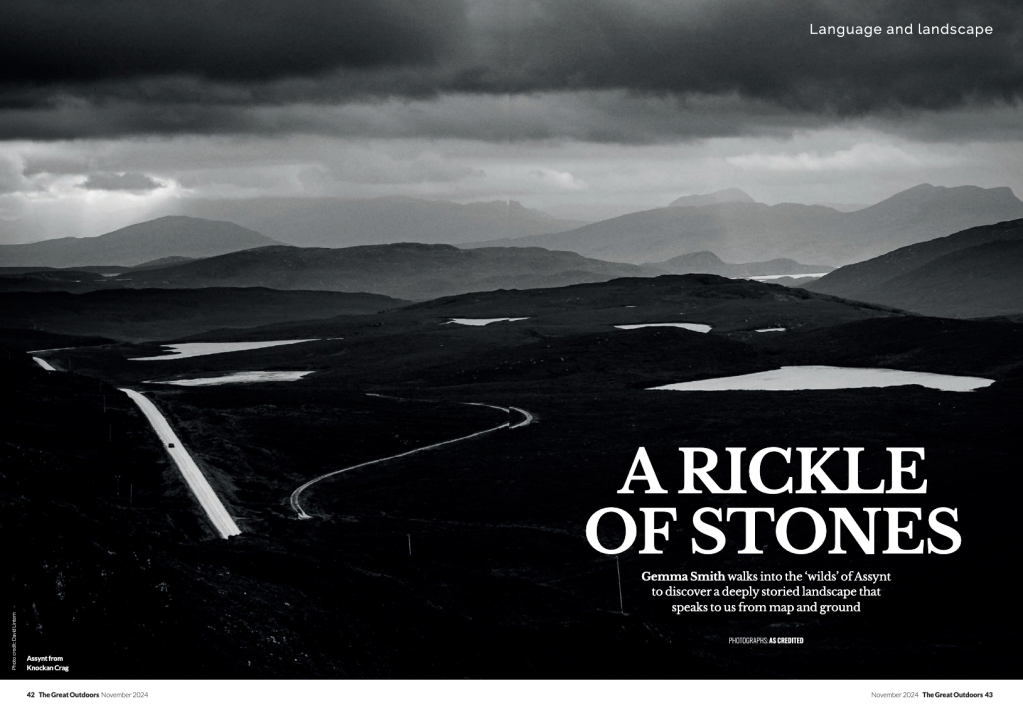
76	280
705	262
138	244
165	261
71	280
809	234
409	271
974	273
27	340
855	278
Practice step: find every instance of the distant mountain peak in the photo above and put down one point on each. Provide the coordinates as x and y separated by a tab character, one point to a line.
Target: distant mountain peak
927	191
175	222
698	257
167	236
727	195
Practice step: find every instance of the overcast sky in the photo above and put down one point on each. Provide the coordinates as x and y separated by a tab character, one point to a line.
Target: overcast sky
110	109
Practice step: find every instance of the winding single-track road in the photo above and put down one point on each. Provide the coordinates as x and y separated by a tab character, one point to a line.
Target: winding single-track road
527	419
214	508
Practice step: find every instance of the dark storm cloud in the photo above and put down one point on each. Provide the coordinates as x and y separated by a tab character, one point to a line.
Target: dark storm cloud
764	50
45	42
107	69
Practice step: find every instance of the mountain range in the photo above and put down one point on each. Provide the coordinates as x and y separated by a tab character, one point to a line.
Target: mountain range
336	222
742	231
727	223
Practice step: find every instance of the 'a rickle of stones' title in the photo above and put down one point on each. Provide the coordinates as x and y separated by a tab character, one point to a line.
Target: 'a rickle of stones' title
838	527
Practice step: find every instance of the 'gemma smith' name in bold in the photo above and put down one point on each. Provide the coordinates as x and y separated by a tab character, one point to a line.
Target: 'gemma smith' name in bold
793	528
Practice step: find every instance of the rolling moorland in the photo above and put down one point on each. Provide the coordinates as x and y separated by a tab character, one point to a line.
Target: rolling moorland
471	560
728	224
136	315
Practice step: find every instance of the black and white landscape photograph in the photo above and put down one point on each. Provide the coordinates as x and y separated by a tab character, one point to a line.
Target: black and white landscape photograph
508	340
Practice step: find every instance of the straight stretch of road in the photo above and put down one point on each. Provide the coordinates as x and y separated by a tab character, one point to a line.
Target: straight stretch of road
527	419
186	465
44	364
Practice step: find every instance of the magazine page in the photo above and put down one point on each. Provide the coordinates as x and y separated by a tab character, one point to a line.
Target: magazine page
360	348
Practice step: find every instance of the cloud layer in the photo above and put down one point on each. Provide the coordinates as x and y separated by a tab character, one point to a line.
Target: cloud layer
112	68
